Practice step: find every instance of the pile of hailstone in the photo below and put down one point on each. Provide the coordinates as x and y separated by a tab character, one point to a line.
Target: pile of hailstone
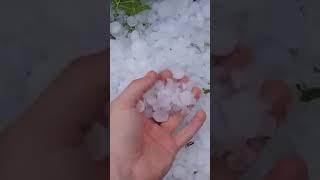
164	99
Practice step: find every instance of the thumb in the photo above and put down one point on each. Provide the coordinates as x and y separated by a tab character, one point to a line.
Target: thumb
131	95
288	168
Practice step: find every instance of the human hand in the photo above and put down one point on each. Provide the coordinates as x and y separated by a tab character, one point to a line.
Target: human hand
139	147
47	141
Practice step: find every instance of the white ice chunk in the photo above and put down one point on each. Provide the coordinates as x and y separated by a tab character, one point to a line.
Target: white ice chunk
150	98
148	111
140	49
134	35
175	108
176	99
186	98
132	21
160	116
156	107
115	28
159	85
171	85
178	73
141	106
179	172
165	9
188	85
164	98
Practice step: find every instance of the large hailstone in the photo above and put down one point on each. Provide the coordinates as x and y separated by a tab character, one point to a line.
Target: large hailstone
164	99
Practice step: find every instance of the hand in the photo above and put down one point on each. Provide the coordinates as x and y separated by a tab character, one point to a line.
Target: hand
140	148
46	142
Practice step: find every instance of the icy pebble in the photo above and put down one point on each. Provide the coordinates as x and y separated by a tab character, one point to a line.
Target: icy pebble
132	21
163	99
148	111
160	116
178	74
179	172
115	28
140	106
186	98
134	35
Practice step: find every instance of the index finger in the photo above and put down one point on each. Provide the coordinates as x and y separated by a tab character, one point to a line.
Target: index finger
134	92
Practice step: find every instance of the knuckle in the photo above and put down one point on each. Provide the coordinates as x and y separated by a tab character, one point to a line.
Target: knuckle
135	82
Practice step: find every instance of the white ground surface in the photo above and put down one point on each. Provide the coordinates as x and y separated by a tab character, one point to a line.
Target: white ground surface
177	38
31	39
277	31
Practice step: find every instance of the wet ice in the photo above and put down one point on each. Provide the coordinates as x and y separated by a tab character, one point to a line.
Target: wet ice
164	99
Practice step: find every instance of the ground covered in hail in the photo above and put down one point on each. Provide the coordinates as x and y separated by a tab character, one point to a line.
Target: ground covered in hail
174	35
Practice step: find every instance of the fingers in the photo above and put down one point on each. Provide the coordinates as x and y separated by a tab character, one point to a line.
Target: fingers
185	79
174	120
196	91
165	74
187	133
289	168
134	92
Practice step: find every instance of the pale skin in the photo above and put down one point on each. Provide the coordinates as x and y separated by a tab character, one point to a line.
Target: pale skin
45	142
143	148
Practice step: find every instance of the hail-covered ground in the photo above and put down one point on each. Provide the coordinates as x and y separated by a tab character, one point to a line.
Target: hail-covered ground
281	49
173	35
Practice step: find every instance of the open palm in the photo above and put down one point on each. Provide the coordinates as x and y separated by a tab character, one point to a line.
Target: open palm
143	148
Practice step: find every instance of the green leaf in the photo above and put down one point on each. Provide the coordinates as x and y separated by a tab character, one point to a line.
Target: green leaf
308	94
205	91
130	7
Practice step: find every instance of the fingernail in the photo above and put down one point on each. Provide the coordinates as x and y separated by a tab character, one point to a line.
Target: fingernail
151	74
202	114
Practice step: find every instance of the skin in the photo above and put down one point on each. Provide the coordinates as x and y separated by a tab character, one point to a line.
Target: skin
46	141
142	148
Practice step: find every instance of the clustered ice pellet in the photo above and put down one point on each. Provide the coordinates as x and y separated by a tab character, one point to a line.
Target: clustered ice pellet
165	98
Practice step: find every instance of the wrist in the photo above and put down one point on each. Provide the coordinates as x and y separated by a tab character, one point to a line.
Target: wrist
118	169
115	172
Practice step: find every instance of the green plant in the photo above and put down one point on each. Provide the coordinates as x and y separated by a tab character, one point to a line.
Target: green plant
130	28
308	94
130	7
205	90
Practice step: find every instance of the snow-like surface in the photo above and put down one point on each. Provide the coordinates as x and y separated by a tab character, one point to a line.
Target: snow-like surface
26	48
272	29
176	35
